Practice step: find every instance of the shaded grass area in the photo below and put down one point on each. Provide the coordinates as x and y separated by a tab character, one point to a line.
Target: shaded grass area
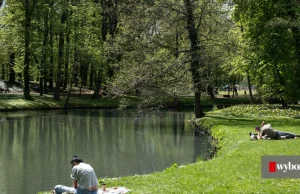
16	102
208	102
236	168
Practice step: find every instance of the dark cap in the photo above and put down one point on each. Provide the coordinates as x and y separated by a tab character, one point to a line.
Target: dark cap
76	159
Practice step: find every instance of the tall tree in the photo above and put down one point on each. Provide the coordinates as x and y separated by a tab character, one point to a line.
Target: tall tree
168	37
271	29
51	43
43	65
109	21
12	73
194	52
61	46
29	6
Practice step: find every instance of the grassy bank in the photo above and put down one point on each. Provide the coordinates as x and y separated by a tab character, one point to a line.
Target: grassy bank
16	102
236	168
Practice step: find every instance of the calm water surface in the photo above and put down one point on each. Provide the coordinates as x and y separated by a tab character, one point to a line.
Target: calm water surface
36	146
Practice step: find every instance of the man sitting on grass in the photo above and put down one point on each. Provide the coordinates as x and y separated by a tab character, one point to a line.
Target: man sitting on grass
266	131
84	179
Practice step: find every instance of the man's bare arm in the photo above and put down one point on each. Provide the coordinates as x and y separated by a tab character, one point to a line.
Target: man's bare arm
75	184
262	124
259	135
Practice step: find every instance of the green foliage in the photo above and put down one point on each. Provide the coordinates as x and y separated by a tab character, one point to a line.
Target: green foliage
129	102
155	56
215	108
172	168
270	45
251	111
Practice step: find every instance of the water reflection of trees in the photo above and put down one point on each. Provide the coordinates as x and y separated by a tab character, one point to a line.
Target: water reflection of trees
40	144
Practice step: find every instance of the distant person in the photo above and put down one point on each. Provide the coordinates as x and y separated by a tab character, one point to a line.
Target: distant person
235	90
266	131
6	89
84	179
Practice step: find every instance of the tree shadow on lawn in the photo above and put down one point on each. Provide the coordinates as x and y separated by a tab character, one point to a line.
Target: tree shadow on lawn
233	120
277	123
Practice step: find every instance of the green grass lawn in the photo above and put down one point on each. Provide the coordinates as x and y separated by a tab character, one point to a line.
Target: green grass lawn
236	168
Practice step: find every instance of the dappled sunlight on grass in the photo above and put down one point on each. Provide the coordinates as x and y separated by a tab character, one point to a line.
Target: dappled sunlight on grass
18	102
260	110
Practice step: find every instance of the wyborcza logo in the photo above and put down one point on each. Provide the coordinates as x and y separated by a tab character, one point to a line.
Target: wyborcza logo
280	167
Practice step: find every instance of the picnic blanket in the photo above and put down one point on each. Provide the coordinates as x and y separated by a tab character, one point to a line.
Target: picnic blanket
114	190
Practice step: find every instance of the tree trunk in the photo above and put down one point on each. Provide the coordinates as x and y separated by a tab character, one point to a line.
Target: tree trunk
193	36
76	56
98	86
77	63
43	86
12	73
51	61
198	109
66	71
233	86
60	55
296	32
3	71
26	89
250	88
210	91
92	76
45	82
280	90
177	44
84	71
113	17
104	23
51	54
70	89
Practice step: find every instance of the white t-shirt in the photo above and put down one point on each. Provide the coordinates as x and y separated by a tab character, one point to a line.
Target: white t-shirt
85	175
268	130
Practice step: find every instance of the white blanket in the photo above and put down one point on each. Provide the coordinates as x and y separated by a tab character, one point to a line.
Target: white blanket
114	190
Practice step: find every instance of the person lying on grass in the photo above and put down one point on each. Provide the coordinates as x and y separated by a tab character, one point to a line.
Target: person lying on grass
266	131
253	136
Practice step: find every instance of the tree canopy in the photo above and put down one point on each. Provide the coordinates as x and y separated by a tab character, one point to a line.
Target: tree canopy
153	49
271	35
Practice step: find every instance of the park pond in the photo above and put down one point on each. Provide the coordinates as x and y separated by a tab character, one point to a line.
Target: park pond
36	146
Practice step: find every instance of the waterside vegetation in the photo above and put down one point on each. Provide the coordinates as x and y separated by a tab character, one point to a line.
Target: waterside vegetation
236	167
17	102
